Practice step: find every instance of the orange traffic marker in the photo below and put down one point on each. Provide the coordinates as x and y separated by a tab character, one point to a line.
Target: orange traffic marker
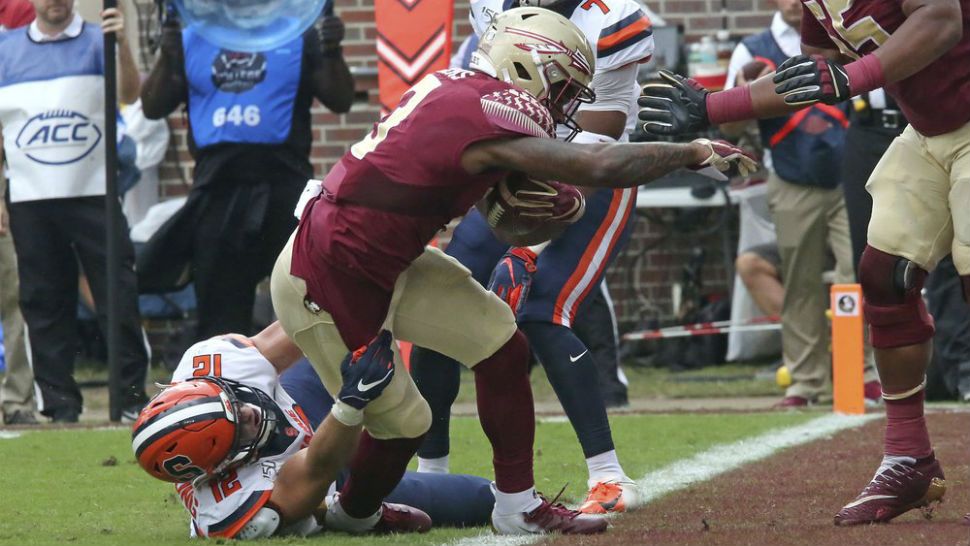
847	351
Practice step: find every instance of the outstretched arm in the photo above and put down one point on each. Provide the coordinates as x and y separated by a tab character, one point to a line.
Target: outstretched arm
302	483
679	105
273	343
600	165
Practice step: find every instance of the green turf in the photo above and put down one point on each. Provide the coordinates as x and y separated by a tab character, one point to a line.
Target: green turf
83	486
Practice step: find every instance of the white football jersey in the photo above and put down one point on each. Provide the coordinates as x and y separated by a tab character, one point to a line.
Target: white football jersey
619	32
221	508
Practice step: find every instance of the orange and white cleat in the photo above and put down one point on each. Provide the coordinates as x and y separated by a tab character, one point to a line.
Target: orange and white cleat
611	496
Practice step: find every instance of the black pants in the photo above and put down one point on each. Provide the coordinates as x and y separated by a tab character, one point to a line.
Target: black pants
596	327
52	237
237	239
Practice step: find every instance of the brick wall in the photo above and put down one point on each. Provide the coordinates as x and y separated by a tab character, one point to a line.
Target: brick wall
333	134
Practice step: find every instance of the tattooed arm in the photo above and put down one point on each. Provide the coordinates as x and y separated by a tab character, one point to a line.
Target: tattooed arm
601	165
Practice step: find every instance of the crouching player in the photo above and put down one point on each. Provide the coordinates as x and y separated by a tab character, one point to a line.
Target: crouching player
244	456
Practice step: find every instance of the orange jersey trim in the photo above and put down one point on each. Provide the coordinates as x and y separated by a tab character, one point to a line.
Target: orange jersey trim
629	31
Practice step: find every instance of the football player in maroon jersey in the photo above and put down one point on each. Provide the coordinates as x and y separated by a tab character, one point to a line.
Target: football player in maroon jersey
918	50
357	263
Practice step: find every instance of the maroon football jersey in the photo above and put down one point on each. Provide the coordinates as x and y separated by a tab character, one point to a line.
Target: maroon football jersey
396	188
936	99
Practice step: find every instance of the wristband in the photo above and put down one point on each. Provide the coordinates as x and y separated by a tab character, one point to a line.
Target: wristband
865	75
346	414
731	105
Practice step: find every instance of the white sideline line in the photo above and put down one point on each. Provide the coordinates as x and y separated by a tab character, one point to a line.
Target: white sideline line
710	463
8	435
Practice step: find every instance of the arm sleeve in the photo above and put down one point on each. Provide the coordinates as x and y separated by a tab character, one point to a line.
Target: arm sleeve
615	90
739	58
813	33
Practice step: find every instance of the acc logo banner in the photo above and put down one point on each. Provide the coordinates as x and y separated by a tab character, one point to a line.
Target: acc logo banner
58	137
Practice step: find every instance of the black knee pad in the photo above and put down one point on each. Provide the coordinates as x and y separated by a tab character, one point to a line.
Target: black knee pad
894	306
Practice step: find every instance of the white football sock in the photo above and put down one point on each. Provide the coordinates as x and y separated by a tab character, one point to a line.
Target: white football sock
514	503
604	467
433	466
337	518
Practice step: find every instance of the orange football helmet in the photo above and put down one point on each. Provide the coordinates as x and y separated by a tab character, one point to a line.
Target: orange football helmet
191	431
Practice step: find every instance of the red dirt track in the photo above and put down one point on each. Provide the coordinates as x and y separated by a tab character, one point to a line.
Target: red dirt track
790	498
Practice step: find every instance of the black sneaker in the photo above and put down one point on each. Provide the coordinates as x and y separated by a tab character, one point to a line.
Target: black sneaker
134	403
64	414
20	417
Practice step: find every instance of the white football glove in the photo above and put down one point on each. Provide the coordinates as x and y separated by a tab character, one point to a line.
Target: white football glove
726	157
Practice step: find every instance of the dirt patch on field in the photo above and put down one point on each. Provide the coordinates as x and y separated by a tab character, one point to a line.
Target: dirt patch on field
790	498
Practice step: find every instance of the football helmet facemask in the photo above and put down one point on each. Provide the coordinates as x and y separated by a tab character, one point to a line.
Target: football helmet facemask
191	430
543	53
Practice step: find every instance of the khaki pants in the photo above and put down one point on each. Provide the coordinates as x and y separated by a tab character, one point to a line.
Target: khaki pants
17	391
920	198
436	305
809	221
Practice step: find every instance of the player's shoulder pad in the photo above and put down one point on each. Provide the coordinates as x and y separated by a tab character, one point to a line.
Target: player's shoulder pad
223	356
515	110
619	30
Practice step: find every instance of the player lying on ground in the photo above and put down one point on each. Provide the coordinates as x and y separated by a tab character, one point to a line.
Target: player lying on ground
919	50
267	473
547	285
357	263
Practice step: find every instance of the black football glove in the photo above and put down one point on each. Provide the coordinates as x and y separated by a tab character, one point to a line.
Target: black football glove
806	80
367	372
674	106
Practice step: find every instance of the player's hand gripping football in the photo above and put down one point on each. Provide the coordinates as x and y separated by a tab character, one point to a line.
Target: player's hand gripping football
673	106
366	373
512	277
808	79
725	157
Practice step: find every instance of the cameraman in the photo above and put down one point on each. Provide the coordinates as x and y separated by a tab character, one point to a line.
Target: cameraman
249	132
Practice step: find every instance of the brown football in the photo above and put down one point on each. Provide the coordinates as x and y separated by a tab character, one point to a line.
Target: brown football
517	209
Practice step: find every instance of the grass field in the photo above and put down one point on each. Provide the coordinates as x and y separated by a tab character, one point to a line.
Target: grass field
82	486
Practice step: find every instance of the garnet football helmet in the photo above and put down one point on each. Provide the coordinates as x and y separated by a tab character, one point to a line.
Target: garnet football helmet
543	53
190	431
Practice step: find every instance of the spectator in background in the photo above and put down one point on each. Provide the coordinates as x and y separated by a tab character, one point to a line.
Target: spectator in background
250	133
760	270
803	154
52	114
17	390
151	141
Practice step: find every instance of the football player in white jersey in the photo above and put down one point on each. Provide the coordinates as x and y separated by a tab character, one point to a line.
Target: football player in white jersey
246	462
558	277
